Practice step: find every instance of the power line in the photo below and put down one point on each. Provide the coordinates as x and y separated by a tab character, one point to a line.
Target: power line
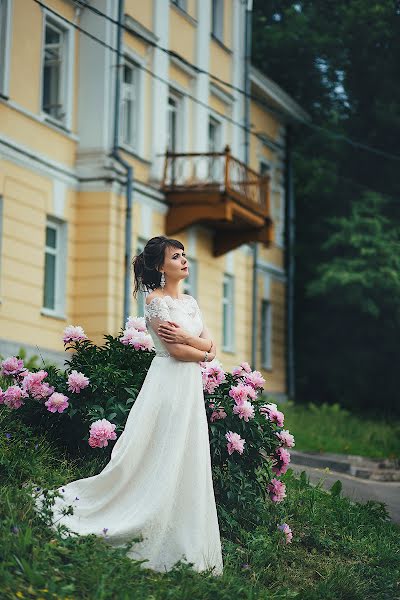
146	70
231	86
101	42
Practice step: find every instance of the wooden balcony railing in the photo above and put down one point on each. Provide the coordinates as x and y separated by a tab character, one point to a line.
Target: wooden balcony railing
221	192
217	171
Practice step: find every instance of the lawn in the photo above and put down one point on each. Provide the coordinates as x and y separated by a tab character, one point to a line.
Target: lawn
340	549
331	428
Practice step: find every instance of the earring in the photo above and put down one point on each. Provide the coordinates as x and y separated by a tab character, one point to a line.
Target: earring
162	281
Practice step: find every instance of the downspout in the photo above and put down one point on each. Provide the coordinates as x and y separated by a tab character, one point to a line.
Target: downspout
129	170
247	65
289	264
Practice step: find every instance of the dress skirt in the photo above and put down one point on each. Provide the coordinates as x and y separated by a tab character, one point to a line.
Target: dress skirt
158	482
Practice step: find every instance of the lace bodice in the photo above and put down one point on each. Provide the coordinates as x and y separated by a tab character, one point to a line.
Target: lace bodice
185	311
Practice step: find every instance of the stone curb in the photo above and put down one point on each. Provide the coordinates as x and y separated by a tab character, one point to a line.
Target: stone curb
357	466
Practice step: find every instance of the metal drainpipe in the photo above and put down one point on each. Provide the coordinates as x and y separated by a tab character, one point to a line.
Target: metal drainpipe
129	170
247	64
289	265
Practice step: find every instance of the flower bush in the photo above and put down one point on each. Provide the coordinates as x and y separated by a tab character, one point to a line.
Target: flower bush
92	398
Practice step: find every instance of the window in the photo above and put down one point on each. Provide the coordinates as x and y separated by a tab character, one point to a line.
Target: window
54	268
264	168
180	4
227	313
129	105
217	19
266	334
140	298
57	72
174	122
190	282
174	133
214	145
5	27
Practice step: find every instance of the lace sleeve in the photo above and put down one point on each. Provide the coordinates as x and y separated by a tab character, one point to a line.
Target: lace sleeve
155	313
157	307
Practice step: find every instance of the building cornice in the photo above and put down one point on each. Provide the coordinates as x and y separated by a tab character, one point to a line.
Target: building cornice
139	30
278	96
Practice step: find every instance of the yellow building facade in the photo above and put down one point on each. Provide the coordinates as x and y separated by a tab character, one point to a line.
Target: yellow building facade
63	193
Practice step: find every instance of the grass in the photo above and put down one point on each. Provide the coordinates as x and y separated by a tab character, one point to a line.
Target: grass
340	549
331	428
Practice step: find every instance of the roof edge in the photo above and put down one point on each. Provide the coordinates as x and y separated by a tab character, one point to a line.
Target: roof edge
278	95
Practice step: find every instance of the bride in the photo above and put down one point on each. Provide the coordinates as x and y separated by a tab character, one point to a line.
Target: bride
158	485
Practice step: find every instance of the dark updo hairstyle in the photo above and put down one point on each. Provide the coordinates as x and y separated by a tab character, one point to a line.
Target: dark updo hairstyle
146	264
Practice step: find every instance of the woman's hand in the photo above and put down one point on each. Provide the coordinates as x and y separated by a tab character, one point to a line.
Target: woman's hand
173	333
212	353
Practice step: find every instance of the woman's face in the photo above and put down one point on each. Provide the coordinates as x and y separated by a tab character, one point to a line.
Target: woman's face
175	265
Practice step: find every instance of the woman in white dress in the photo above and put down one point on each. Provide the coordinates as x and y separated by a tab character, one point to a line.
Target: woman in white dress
158	482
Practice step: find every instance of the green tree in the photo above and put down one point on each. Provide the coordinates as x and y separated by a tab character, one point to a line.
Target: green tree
339	60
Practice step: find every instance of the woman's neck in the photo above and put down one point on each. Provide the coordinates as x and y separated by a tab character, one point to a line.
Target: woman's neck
171	290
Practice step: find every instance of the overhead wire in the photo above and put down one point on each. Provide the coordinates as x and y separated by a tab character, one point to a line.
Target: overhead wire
268	105
196	100
157	77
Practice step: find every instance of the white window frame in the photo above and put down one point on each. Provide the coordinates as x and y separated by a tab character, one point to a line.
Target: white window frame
217	19
228	336
216	169
189	285
266	333
137	147
178	98
67	70
5	45
60	252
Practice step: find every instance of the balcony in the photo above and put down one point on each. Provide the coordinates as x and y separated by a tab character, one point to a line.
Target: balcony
221	192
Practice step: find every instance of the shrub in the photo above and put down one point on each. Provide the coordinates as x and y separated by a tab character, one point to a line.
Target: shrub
86	406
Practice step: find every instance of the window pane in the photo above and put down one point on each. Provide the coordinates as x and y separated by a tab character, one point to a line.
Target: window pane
128	74
129	106
49	281
51	237
52	72
217	18
52	36
225	324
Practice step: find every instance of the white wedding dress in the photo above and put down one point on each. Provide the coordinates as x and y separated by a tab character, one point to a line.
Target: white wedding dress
158	481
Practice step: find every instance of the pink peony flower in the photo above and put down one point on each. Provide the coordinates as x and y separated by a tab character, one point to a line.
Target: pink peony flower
11	366
235	442
57	402
1	396
286	438
255	379
241	370
13	396
245	410
100	432
276	490
241	393
77	381
272	414
287	531
34	386
138	339
212	375
74	333
138	323
282	458
217	414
